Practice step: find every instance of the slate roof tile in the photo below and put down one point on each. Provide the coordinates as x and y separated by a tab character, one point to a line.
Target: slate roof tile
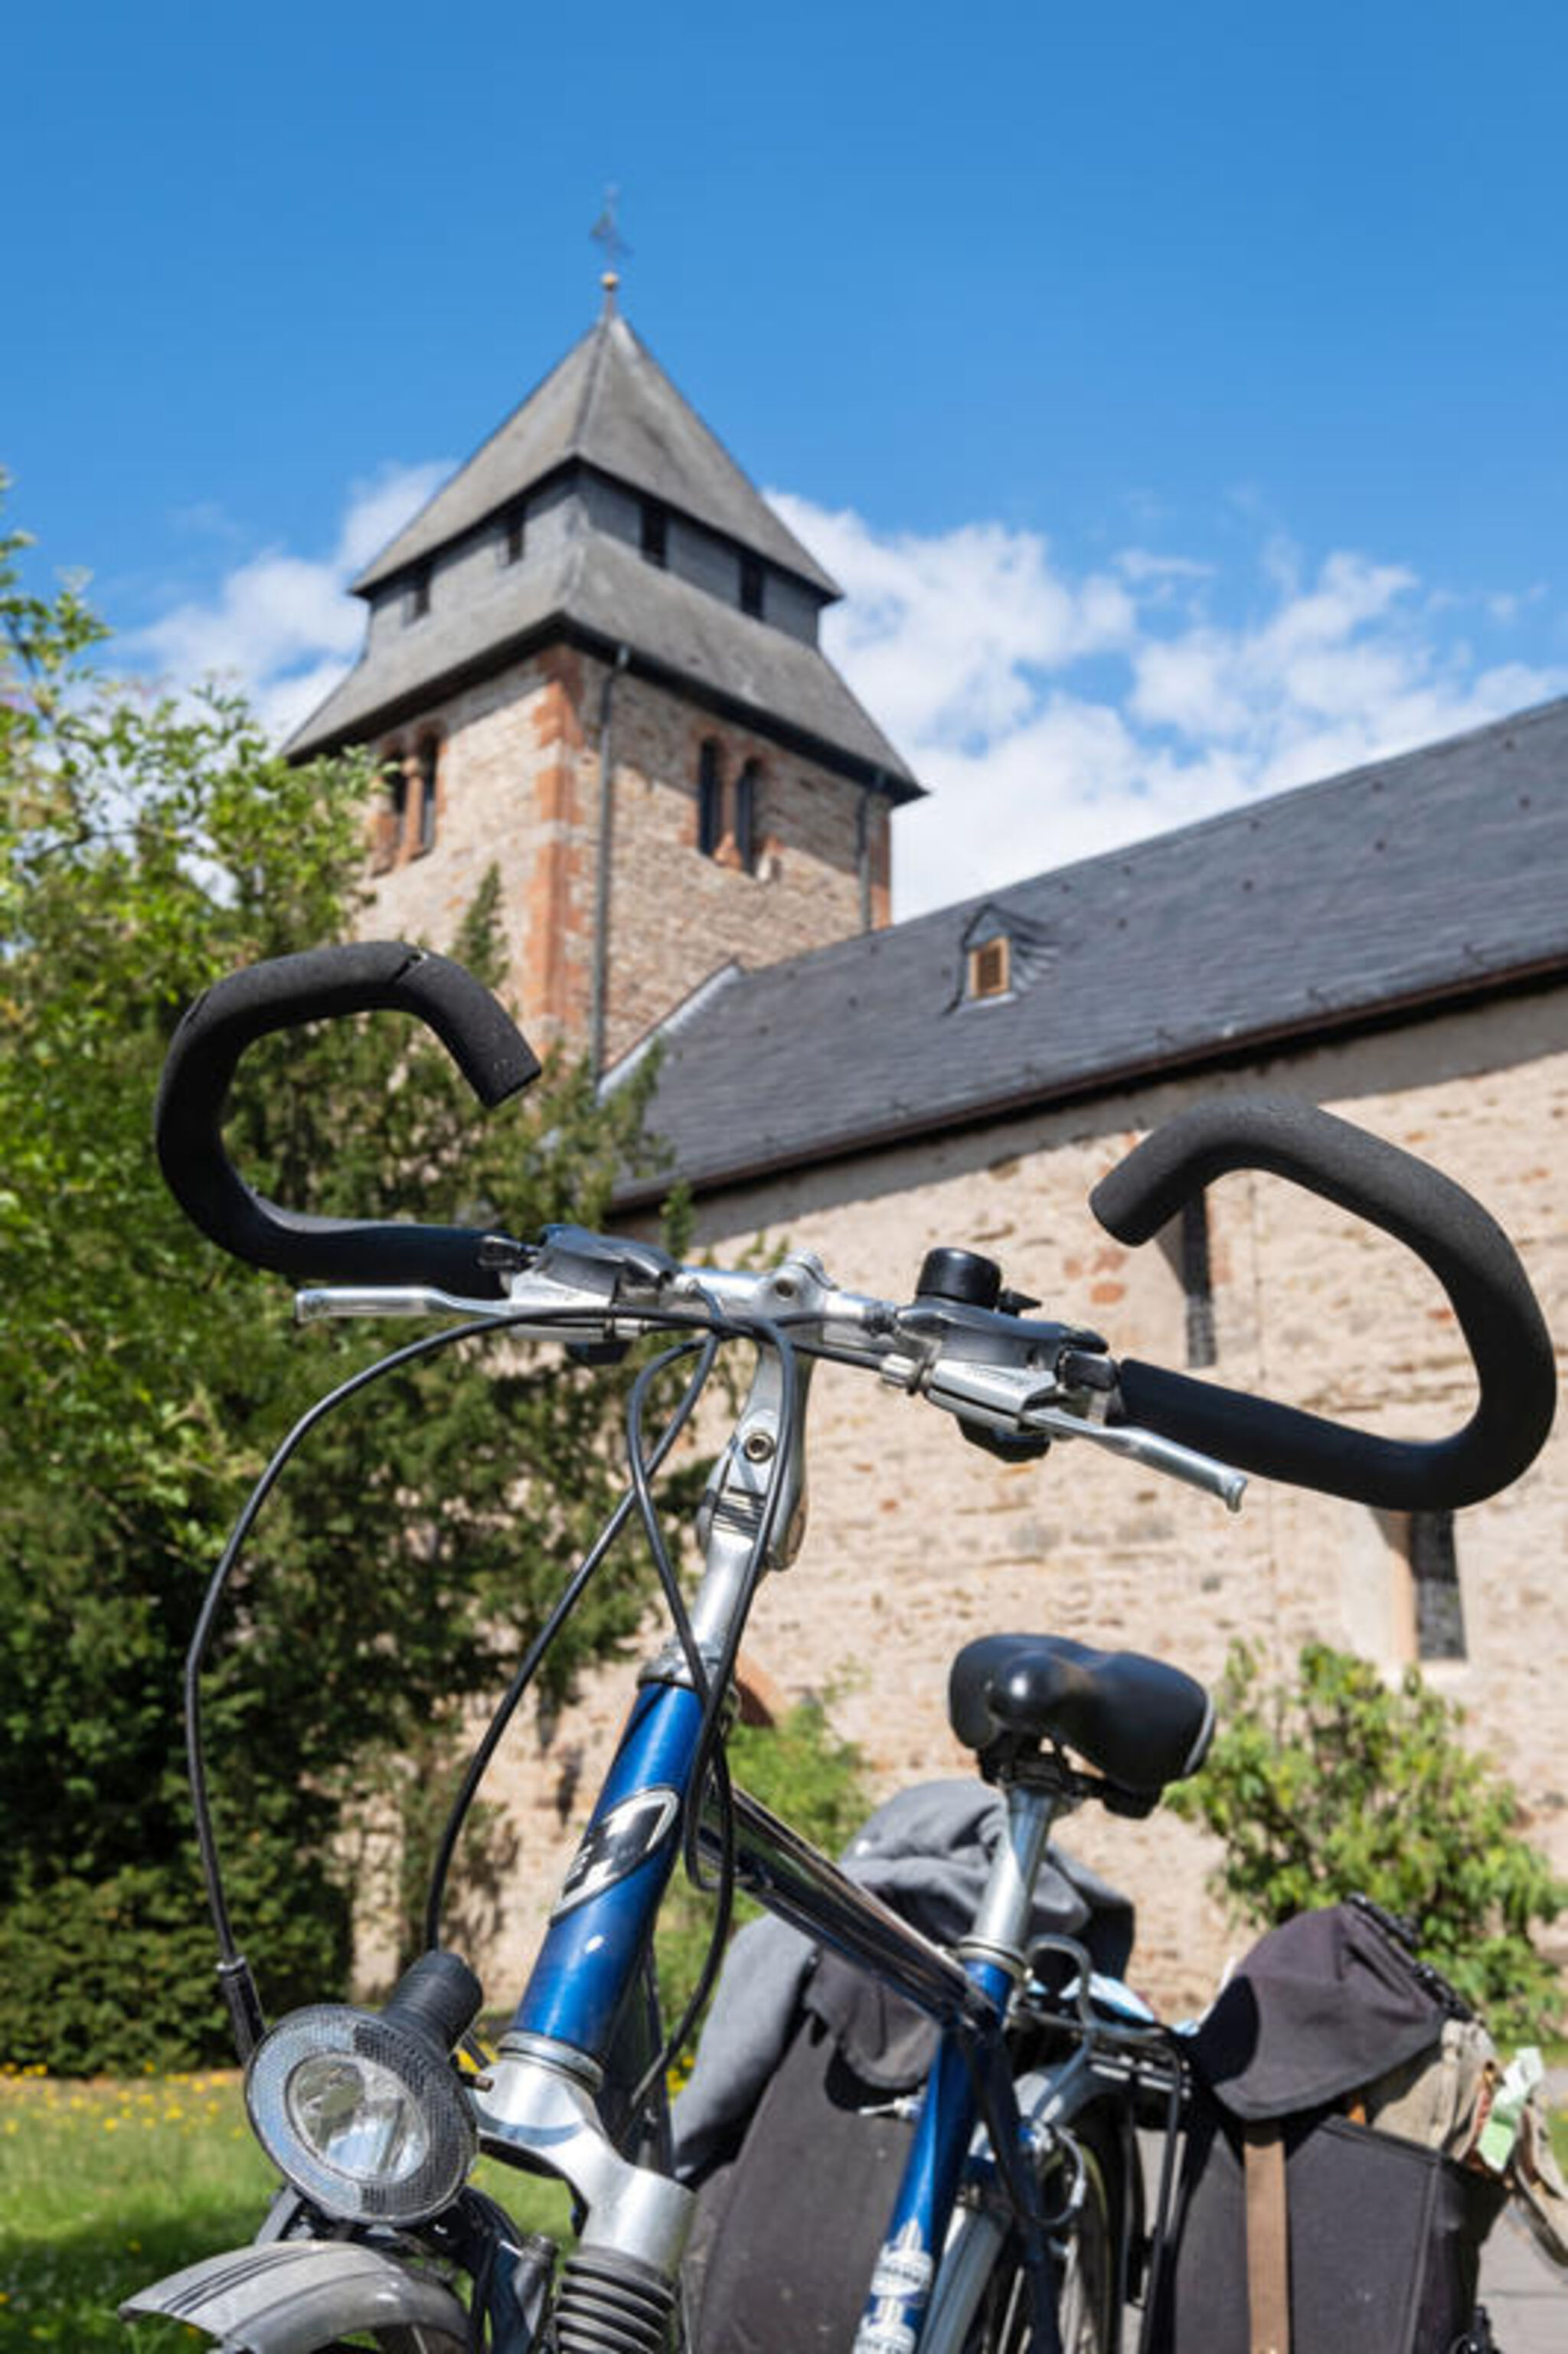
1438	873
602	587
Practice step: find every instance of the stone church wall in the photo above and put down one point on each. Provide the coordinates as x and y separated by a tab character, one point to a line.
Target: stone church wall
518	785
919	1543
677	916
510	793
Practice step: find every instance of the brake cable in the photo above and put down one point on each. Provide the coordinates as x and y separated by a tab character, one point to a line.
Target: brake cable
506	1707
710	1759
234	1971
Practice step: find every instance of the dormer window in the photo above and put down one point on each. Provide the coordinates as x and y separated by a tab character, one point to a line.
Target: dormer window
751	585
1002	953
655	534
418	603
990	968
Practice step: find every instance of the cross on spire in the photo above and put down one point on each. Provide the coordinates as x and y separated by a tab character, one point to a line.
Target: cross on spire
606	233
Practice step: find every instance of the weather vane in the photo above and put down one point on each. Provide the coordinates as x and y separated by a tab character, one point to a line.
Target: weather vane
606	233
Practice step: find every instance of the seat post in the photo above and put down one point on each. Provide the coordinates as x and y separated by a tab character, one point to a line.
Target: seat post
1001	1922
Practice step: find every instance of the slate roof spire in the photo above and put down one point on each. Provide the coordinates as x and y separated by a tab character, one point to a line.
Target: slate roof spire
603	511
609	405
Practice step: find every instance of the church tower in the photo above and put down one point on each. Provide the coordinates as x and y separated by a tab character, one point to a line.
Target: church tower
592	661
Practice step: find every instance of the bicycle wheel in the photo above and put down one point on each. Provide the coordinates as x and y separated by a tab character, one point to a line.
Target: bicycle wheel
1086	2298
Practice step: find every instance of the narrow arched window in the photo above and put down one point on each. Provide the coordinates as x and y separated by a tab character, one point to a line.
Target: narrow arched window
747	791
1197	1284
395	775
1434	1577
430	756
392	817
710	798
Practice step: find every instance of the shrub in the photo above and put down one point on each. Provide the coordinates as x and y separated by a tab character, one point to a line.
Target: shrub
1337	1782
118	1972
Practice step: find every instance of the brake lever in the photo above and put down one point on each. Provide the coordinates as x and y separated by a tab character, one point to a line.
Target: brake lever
320	1301
554	1302
1016	1402
1146	1446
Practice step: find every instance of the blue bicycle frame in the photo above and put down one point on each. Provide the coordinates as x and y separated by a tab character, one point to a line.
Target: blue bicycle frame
540	2106
588	1968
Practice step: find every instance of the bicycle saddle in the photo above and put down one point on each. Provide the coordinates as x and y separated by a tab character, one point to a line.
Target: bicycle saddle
1142	1724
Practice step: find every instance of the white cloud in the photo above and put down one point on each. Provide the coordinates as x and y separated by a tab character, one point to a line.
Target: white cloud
286	702
281	625
941	635
378	509
970	646
1140	564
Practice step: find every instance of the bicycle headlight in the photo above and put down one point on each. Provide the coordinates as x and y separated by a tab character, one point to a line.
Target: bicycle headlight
364	2111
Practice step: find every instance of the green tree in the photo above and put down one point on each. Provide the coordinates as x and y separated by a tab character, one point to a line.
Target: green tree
1337	1782
147	846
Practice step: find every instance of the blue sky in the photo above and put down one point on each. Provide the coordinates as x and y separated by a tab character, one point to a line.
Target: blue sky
1178	391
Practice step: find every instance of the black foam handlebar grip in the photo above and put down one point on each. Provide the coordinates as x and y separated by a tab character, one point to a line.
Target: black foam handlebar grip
1464	1248
358	977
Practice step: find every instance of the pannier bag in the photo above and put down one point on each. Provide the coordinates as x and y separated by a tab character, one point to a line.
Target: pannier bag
795	2124
786	2236
1333	2197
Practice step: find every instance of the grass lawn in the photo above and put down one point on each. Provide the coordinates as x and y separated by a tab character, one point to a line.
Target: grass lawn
106	2186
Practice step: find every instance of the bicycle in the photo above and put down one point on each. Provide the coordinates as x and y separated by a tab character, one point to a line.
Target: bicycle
1018	2218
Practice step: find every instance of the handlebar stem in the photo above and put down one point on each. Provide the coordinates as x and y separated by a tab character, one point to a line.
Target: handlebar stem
761	1448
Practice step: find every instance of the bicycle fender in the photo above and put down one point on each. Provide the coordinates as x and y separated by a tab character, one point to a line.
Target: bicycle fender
295	2296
